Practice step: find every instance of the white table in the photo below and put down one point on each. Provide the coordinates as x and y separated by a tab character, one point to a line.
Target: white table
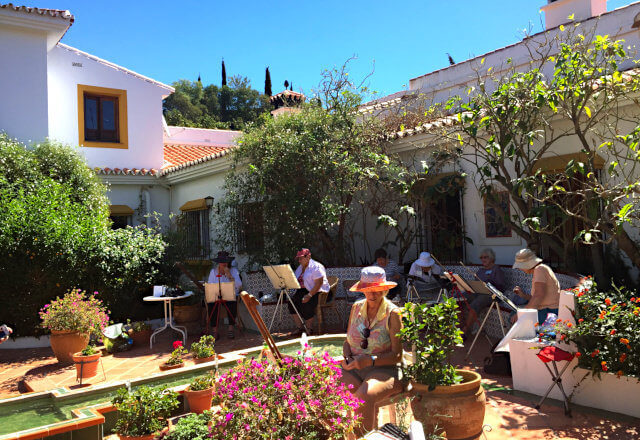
168	318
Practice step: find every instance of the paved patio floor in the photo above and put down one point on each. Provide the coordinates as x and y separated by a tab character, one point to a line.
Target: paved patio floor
509	415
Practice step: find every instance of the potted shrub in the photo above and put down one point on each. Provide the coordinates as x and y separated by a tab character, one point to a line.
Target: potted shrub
71	320
175	359
449	399
199	393
203	350
86	362
191	427
140	332
143	412
300	399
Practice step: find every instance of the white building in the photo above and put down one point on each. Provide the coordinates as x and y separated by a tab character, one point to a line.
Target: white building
114	116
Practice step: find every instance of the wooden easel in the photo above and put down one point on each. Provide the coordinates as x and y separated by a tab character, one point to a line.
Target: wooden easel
251	303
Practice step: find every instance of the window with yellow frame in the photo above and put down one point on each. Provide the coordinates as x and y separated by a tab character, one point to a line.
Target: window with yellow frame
102	117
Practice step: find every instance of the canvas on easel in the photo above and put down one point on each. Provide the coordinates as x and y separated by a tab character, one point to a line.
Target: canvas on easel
281	276
478	286
225	291
462	283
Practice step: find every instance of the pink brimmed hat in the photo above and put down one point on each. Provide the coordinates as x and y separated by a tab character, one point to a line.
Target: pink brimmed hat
304	252
372	279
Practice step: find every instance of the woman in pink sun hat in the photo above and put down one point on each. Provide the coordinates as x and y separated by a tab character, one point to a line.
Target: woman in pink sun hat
372	351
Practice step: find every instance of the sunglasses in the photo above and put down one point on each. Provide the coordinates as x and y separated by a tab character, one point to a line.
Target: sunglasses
365	334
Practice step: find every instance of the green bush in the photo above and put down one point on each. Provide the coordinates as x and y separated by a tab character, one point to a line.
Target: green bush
55	235
143	411
191	427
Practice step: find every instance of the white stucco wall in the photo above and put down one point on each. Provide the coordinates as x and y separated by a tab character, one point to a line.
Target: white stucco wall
131	195
23	83
144	109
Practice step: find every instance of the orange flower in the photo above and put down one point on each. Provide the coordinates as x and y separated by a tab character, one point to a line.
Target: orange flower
580	294
612	332
624	341
605	368
636	312
558	320
536	324
580	320
628	347
607	301
633	300
623	357
614	307
602	315
603	363
578	354
562	337
569	325
619	373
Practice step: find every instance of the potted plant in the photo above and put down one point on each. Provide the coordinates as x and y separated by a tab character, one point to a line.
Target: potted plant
140	332
191	427
203	350
71	320
143	412
449	399
199	393
86	362
175	359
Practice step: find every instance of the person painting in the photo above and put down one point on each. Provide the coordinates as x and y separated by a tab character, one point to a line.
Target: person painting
545	287
372	351
312	277
489	272
424	273
390	269
224	273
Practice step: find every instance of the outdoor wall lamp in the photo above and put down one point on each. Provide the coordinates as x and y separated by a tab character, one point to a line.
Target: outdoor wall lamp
208	201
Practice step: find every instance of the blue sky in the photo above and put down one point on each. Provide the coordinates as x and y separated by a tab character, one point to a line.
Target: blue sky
170	40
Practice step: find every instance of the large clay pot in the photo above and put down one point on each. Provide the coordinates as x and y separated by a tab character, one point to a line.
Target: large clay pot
66	343
141	338
86	366
457	409
199	401
186	314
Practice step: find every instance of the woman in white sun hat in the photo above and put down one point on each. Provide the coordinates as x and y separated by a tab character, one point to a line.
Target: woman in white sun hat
426	271
545	287
372	351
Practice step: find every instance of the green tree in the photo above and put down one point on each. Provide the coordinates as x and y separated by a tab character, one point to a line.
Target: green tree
55	235
224	74
267	83
515	119
306	171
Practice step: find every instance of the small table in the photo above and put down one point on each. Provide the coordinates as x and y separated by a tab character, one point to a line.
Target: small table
168	316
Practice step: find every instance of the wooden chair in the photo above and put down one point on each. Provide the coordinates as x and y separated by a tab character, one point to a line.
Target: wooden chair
323	304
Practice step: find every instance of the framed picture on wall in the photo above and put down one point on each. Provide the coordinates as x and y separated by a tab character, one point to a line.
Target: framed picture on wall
495	224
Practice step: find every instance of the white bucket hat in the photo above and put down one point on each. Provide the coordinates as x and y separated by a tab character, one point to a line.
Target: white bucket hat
425	260
526	259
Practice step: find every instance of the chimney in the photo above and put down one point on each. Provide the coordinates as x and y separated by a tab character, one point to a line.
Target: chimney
556	12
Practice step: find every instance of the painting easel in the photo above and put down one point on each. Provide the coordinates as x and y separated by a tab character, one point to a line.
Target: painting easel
252	303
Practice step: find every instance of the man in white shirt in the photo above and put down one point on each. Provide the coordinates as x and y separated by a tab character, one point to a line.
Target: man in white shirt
312	277
224	273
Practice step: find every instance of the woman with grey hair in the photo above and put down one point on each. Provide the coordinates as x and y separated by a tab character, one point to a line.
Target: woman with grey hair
489	272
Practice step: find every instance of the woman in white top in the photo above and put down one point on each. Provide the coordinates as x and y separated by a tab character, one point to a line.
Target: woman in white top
312	277
224	273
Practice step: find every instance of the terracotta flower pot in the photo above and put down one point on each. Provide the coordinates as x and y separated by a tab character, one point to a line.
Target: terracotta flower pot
203	360
141	338
457	409
199	401
66	343
165	366
86	366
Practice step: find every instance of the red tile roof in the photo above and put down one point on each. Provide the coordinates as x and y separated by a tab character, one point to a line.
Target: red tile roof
126	171
177	157
40	11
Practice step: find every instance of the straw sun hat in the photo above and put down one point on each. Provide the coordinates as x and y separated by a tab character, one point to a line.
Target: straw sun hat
372	279
526	259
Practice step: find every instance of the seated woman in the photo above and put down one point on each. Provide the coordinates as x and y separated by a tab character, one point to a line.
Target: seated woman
489	273
312	277
545	287
372	351
224	273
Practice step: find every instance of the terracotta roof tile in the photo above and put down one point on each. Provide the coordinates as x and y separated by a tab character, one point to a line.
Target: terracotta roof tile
40	11
177	157
126	171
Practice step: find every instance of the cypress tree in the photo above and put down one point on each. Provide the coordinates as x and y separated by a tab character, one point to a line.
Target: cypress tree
291	86
267	83
224	74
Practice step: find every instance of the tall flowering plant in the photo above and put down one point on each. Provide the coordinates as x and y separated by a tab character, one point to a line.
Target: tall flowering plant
303	398
607	329
75	311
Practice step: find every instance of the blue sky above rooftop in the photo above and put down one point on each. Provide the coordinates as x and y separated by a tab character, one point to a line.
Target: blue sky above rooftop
296	39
